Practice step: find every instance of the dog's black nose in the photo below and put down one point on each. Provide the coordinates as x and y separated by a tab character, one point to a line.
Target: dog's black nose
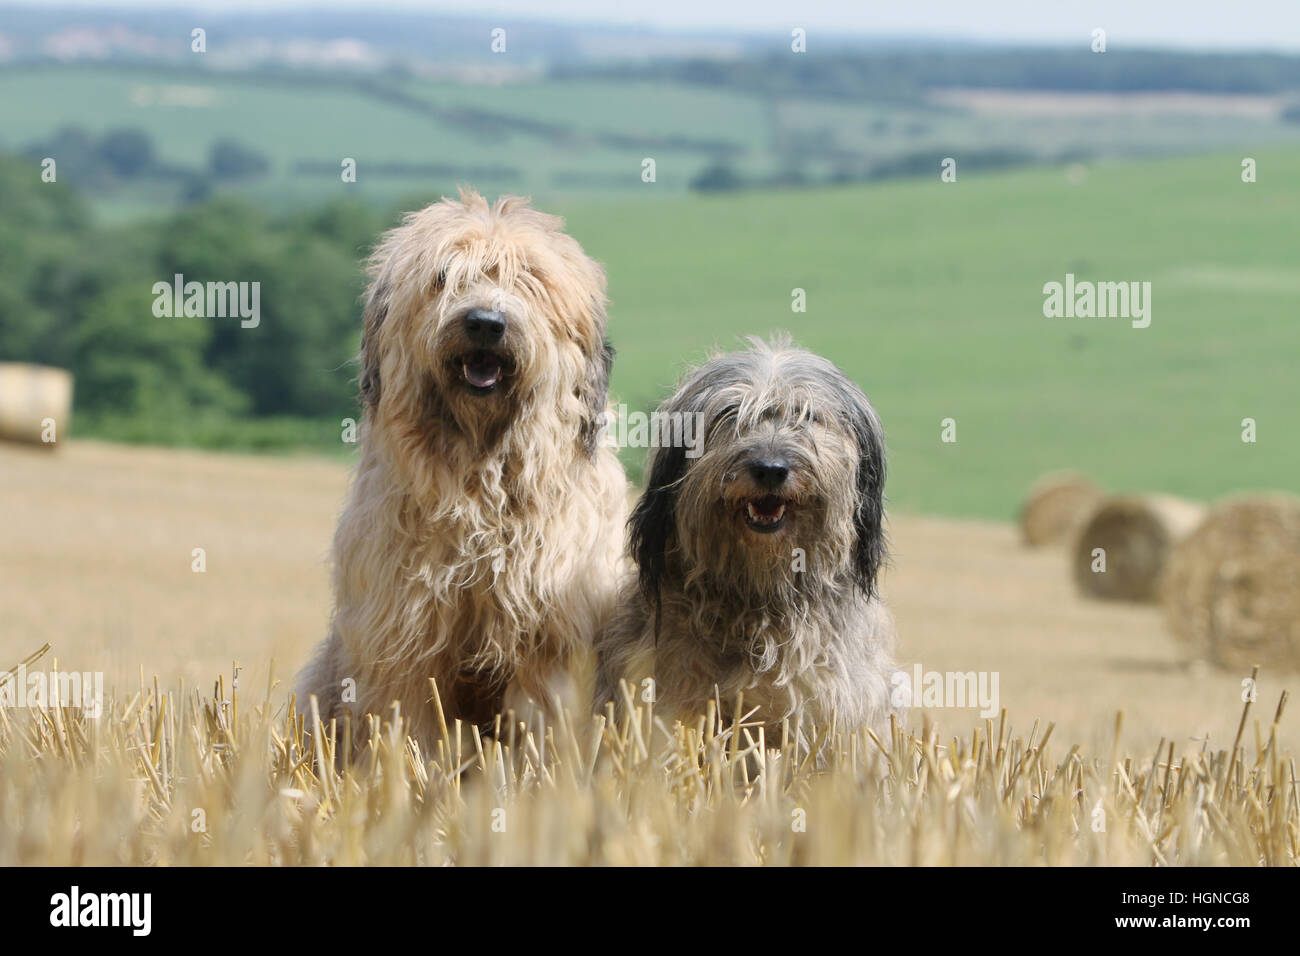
770	473
484	326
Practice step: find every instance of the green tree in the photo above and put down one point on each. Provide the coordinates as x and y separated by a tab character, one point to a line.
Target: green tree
39	231
128	152
229	159
716	178
132	363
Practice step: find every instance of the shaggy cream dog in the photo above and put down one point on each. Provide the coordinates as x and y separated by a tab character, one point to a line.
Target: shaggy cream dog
482	532
757	560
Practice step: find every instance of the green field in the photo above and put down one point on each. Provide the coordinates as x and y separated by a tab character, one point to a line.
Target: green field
553	138
930	295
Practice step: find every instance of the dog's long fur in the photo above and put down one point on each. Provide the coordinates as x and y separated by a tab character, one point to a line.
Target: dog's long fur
482	532
789	618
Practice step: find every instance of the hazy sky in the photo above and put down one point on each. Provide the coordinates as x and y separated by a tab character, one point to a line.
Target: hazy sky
1213	24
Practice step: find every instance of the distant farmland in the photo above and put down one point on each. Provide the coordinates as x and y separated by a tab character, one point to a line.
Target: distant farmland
557	138
547	138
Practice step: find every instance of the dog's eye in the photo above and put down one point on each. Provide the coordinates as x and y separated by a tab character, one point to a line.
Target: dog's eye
442	278
725	418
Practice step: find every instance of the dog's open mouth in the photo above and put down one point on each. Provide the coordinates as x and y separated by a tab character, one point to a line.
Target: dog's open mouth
765	514
482	370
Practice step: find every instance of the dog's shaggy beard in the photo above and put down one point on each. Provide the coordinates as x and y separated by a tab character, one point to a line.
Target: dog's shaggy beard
750	591
472	464
434	414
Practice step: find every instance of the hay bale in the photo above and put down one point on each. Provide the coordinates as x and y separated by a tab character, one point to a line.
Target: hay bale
1137	534
1055	507
1231	592
29	396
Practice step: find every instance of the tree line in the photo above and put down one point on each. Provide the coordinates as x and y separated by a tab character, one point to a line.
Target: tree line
79	295
905	75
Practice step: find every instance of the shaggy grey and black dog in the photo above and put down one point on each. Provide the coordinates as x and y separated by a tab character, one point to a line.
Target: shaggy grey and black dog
757	561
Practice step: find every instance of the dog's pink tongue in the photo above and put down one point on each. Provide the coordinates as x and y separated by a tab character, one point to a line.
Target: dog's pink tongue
482	371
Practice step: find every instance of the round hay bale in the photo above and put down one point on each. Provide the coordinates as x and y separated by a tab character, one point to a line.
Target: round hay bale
1231	591
1136	534
32	397
1055	507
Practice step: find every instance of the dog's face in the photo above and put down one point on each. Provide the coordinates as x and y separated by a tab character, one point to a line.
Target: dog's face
789	481
478	315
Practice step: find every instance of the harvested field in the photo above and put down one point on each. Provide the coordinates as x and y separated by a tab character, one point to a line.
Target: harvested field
97	562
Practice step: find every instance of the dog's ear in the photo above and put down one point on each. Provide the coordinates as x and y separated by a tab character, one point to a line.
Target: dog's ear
653	518
375	313
869	546
595	394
